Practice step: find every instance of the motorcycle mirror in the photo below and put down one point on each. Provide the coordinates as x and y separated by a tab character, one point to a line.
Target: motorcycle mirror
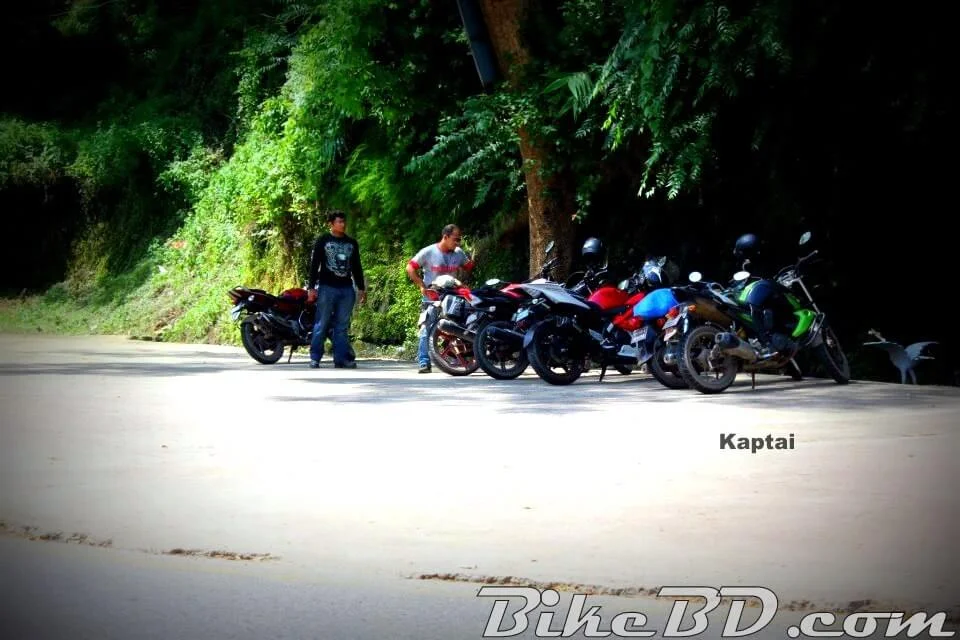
662	261
549	248
805	238
695	276
492	282
624	284
740	276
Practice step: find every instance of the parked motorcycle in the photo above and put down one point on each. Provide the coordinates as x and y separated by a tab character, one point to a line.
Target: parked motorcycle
656	309
500	347
574	331
497	346
459	313
273	322
753	325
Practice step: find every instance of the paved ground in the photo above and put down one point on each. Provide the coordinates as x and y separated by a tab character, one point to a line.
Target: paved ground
380	475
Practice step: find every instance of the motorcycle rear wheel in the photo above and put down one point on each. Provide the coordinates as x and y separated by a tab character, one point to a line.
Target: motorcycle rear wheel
262	349
664	374
542	361
491	362
442	345
689	362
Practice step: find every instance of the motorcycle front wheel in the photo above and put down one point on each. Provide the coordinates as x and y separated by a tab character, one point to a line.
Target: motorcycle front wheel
833	358
261	348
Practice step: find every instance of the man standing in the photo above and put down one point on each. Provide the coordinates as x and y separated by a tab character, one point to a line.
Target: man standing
334	269
444	257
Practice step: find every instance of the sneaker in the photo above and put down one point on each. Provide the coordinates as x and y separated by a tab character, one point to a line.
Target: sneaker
424	368
314	364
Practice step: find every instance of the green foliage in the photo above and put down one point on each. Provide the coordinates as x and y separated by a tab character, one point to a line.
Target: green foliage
674	67
475	159
31	153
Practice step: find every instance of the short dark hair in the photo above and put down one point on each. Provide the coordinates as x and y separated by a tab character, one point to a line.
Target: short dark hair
449	229
336	213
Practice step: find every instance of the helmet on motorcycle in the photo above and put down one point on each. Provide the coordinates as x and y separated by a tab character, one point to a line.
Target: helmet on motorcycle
653	273
746	245
592	250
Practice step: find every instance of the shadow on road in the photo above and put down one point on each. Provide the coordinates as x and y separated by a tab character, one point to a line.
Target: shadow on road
388	382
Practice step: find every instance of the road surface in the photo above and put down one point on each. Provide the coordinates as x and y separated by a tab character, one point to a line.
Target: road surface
193	473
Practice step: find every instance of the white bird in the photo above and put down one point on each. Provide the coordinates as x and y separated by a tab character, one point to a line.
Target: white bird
903	358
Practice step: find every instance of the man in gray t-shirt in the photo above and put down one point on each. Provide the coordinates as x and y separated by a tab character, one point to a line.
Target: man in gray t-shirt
444	257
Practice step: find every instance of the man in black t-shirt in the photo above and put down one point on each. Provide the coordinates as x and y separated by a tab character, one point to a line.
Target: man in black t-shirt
334	270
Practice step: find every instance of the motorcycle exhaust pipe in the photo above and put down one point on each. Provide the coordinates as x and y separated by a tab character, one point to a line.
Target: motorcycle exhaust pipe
731	344
448	326
506	335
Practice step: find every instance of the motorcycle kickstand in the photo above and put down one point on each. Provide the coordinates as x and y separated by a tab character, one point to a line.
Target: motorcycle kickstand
753	380
290	357
796	367
603	370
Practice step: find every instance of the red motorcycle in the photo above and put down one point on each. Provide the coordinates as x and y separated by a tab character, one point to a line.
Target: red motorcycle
273	322
570	329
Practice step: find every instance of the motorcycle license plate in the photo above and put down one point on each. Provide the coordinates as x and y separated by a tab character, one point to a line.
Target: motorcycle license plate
639	335
235	312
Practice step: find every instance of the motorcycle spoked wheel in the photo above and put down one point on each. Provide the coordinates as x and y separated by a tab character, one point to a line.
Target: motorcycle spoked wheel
261	348
667	375
496	359
548	350
831	355
452	355
695	349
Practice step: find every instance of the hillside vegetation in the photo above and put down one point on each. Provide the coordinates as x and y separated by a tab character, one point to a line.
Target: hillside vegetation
153	154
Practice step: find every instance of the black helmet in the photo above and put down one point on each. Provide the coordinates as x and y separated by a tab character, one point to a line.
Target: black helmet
592	250
747	245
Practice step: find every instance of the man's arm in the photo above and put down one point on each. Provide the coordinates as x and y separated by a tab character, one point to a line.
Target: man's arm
466	269
412	268
313	275
358	272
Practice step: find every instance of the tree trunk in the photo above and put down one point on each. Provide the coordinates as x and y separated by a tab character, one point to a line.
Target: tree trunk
550	207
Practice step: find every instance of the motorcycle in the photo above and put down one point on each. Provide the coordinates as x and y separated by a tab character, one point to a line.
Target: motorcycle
273	322
458	314
574	331
499	345
752	325
658	308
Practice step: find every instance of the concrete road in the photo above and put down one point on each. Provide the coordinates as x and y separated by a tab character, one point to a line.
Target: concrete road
383	481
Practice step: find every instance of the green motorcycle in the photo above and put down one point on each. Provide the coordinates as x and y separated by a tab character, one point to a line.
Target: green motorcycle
752	325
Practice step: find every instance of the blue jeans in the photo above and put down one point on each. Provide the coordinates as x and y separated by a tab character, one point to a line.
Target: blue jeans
423	355
333	304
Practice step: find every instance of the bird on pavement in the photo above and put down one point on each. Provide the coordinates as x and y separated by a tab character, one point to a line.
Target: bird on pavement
903	358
